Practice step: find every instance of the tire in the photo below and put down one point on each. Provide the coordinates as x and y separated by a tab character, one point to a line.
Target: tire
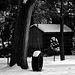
37	62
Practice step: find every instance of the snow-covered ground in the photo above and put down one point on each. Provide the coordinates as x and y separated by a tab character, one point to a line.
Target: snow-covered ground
50	67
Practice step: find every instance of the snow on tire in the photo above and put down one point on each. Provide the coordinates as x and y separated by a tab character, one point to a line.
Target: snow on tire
37	61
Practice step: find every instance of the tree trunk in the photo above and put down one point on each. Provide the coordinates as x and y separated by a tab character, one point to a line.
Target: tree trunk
21	34
62	57
27	13
16	37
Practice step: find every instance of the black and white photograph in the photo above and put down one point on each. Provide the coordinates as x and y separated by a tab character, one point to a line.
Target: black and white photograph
37	37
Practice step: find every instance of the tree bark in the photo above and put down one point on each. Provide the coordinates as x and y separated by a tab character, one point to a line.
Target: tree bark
16	37
62	57
27	13
21	34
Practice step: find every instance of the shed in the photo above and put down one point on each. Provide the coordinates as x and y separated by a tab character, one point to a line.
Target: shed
45	31
35	37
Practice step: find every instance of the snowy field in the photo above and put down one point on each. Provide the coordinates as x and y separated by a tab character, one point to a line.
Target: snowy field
50	67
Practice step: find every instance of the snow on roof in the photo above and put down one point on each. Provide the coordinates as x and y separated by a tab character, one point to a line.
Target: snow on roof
52	27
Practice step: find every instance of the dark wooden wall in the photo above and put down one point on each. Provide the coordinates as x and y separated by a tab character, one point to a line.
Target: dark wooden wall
34	34
67	40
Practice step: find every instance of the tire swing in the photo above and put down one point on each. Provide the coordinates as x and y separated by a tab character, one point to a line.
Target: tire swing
37	61
37	58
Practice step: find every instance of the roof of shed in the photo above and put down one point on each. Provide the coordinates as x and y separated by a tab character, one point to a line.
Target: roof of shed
51	27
